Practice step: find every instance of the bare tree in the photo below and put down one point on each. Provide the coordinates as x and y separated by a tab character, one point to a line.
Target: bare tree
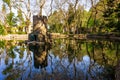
41	4
51	7
25	8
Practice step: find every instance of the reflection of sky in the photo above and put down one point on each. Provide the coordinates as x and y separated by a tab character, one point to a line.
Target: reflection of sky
2	66
82	67
55	65
17	62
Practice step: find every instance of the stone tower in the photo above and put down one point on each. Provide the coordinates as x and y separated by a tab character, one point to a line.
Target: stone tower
39	29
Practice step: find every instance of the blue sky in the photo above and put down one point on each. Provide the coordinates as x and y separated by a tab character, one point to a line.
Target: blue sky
46	9
85	3
0	4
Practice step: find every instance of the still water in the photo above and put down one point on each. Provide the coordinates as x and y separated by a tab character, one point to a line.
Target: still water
64	59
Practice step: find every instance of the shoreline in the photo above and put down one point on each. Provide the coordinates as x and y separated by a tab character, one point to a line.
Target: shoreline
60	36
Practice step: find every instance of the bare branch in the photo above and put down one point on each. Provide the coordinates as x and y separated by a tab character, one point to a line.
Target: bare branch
42	2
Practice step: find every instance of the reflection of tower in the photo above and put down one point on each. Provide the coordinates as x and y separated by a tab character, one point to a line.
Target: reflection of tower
40	55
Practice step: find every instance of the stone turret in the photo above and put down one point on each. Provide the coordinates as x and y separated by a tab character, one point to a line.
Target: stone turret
39	29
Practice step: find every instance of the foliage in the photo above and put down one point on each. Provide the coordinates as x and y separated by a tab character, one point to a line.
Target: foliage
2	44
8	2
11	19
2	30
104	16
3	8
8	69
68	21
71	15
11	52
55	22
91	23
20	16
112	15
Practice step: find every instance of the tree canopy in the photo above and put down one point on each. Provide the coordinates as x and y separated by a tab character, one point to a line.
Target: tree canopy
67	16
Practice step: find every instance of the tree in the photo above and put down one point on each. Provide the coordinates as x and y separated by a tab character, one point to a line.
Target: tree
9	3
42	2
112	15
2	30
55	22
11	19
24	13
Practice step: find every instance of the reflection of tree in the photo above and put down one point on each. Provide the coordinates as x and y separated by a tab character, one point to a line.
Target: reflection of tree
70	53
2	44
117	50
67	57
104	53
12	69
40	54
13	74
9	45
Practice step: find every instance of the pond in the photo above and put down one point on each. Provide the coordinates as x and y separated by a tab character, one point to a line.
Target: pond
64	59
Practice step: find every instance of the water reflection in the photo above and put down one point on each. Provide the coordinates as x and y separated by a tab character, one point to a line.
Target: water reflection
40	54
62	60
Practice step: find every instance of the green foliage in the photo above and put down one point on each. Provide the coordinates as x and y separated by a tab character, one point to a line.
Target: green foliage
55	22
3	8
20	16
112	15
8	2
71	14
2	30
11	19
61	21
21	52
8	69
11	53
70	19
91	23
105	14
21	32
2	44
